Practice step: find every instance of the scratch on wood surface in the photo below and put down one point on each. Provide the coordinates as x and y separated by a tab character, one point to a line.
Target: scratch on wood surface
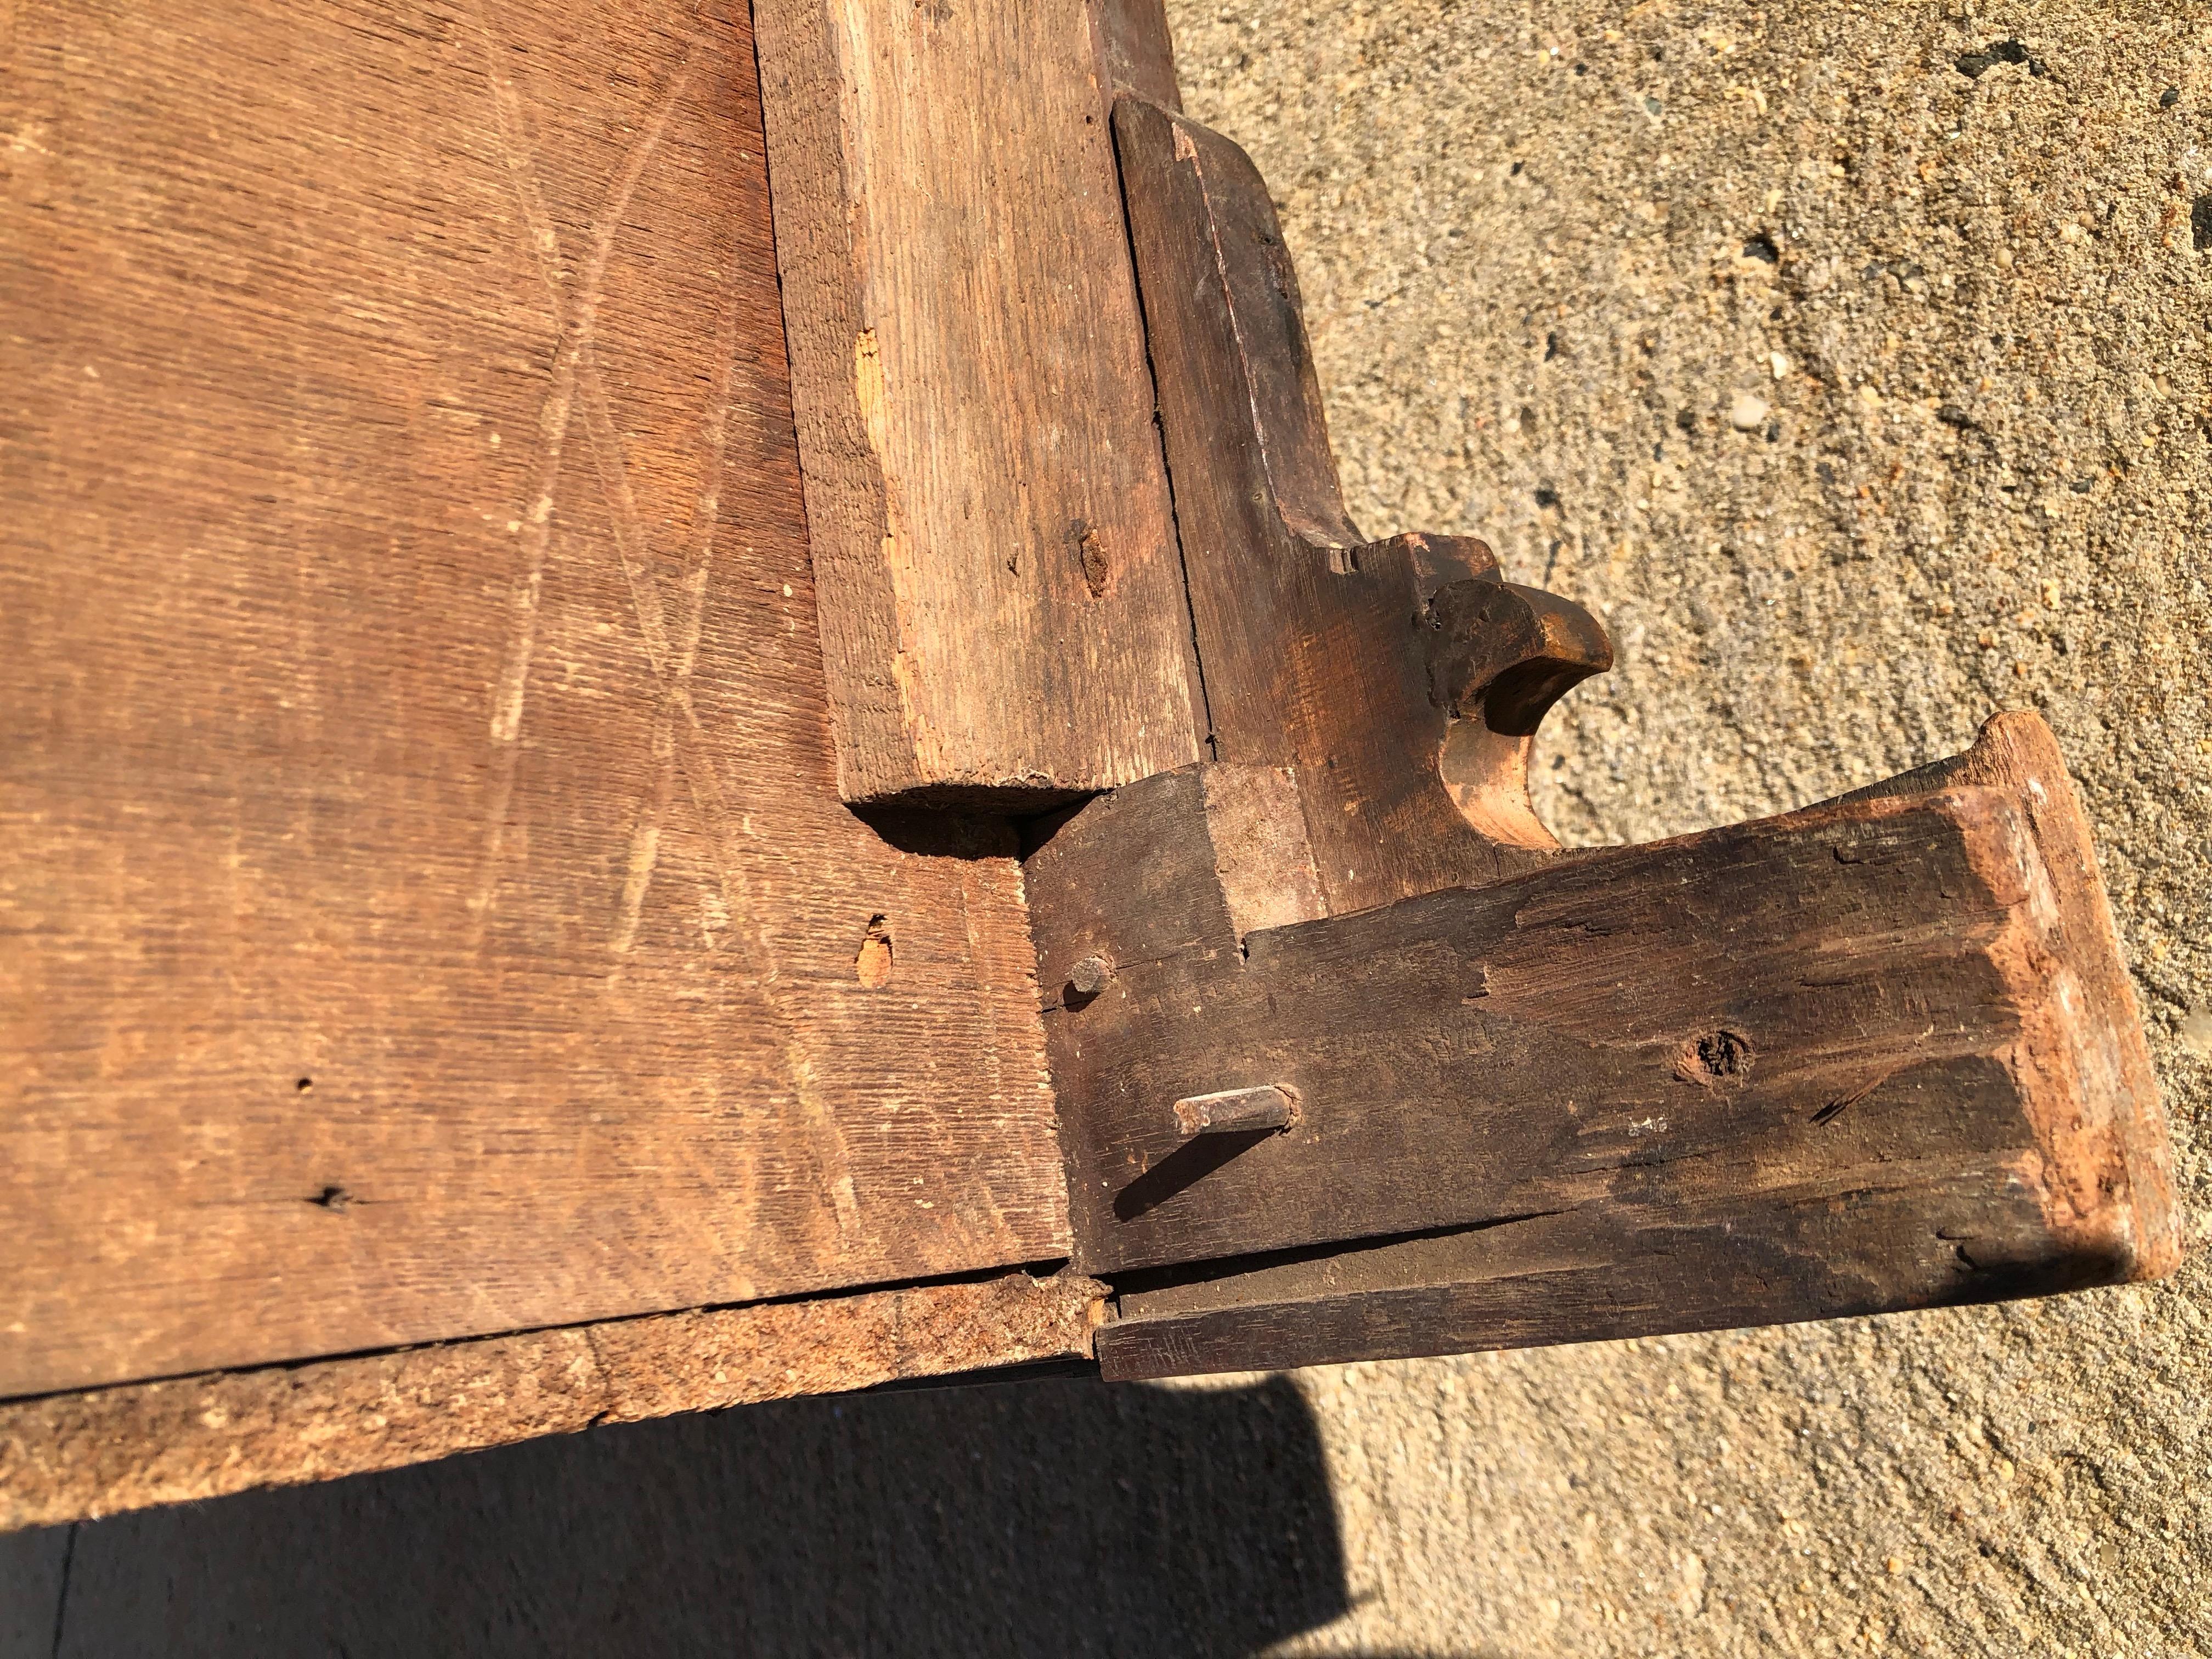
576	325
611	464
671	665
677	734
868	390
676	731
644	851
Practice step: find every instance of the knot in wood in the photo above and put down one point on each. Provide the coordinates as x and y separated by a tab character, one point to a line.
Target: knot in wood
1717	1057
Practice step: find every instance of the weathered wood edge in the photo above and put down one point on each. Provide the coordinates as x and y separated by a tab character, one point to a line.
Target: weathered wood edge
1003	620
1827	1251
1367	666
2122	1131
1138	50
79	1456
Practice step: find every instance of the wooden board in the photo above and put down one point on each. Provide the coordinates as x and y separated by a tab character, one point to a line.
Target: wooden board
426	907
1320	648
79	1456
1883	1238
1003	610
1140	51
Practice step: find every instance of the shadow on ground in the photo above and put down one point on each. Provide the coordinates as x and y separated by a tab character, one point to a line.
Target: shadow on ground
1047	1518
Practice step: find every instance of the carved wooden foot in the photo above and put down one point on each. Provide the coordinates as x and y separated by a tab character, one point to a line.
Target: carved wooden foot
1353	1061
1879	1054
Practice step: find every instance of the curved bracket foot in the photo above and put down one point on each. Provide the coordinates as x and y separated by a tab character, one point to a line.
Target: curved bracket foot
1402	680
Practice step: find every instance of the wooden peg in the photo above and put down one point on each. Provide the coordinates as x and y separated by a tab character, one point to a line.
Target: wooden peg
1235	1112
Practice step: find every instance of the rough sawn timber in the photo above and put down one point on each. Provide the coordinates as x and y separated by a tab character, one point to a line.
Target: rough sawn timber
1003	613
79	1456
428	909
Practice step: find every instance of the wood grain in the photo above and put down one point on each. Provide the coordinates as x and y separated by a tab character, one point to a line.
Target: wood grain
79	1456
1140	49
428	909
1696	1049
1886	1238
1002	604
1320	648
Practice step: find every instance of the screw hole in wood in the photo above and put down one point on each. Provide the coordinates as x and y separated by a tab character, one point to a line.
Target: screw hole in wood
1717	1057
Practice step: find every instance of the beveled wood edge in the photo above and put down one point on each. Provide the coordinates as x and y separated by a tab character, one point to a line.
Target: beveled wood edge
68	1457
2117	1149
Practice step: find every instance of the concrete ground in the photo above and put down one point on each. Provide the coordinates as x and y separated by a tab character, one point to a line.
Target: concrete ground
1851	362
1850	358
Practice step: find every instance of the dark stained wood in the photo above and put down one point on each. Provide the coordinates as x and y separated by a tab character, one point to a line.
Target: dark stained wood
1878	1054
1002	605
1690	1047
429	910
81	1457
1140	49
1345	658
1879	1238
1458	1056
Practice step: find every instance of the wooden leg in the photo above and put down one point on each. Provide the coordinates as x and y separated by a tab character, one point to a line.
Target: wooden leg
1879	1054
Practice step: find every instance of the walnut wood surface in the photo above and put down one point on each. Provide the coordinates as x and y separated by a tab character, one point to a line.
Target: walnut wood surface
79	1456
1002	604
1896	1236
428	909
1877	1053
1874	1056
1140	51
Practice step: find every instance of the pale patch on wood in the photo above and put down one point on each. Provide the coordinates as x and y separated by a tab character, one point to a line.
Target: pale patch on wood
971	381
873	965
